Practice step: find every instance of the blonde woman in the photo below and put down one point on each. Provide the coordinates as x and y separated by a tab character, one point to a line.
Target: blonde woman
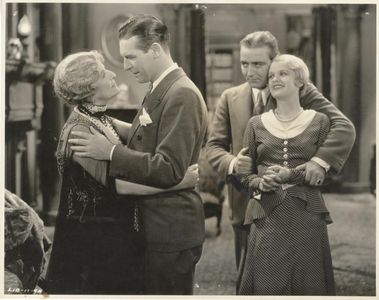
288	248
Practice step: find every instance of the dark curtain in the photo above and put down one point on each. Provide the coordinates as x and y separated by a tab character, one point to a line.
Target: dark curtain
52	116
186	25
198	50
75	28
62	31
74	40
324	28
349	86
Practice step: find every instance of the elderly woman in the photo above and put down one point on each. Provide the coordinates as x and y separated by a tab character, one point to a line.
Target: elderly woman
97	244
288	249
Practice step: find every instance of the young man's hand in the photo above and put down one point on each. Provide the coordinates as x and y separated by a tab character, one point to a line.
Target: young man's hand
93	145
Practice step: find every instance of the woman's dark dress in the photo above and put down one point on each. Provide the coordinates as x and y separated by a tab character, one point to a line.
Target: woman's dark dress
95	248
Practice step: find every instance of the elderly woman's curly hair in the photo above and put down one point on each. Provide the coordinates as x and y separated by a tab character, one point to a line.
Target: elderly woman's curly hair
75	75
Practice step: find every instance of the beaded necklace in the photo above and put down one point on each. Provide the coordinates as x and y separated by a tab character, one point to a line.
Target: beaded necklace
93	108
99	118
289	119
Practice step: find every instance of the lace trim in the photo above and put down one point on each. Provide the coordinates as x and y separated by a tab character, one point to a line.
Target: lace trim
93	108
74	119
84	195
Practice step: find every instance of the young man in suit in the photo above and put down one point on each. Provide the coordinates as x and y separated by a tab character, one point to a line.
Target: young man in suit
238	104
165	138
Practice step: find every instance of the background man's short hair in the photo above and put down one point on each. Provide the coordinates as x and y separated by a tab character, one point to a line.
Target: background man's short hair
260	39
148	28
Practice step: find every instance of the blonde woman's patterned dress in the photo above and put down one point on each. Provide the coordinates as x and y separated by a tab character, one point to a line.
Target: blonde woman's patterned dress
288	248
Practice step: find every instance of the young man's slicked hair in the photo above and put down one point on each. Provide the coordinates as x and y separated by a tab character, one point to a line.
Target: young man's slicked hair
148	28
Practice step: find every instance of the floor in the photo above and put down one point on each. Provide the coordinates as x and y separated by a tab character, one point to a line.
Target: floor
352	238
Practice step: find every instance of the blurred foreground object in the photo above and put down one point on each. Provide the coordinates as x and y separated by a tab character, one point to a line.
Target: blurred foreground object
25	245
14	49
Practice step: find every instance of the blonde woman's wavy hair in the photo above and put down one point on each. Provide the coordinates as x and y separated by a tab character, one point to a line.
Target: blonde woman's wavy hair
75	75
297	65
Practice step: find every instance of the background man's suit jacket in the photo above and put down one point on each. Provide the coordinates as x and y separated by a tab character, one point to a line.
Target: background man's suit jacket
159	154
234	111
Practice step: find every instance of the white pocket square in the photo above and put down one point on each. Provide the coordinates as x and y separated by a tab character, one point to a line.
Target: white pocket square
145	119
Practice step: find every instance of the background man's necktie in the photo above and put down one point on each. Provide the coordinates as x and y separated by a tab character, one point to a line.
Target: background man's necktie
259	106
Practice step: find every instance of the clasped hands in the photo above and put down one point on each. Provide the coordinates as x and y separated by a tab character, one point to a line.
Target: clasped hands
276	175
273	177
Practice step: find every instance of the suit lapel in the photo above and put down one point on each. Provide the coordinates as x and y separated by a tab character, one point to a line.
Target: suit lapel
157	95
155	98
240	112
241	106
135	125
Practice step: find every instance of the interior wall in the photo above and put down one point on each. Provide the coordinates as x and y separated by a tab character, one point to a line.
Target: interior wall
231	22
368	98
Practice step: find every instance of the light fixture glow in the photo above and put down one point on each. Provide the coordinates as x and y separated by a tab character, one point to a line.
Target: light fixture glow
24	27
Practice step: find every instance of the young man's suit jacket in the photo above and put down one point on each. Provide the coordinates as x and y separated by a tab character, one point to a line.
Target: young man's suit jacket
159	154
232	114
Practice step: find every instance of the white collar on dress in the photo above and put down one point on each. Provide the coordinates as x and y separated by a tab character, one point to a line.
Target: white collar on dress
297	126
163	75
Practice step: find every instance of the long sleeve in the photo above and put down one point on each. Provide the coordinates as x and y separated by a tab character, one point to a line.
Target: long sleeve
219	143
250	182
337	146
298	176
